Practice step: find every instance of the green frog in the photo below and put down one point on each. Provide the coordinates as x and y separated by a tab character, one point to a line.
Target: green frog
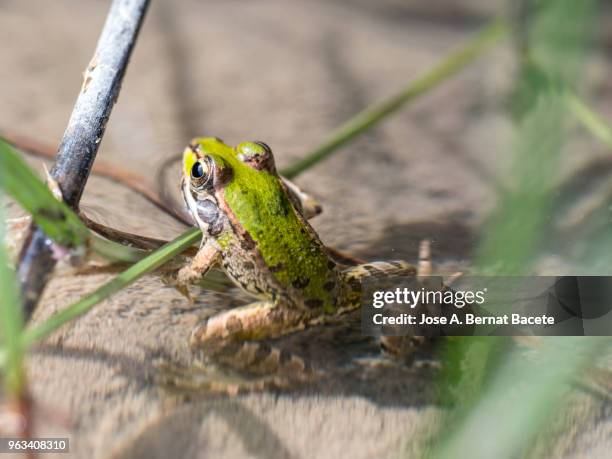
255	228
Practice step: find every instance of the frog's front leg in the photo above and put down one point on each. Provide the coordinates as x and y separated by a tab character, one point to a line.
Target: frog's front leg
207	257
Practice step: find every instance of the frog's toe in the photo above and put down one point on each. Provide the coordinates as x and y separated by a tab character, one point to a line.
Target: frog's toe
184	291
181	287
197	335
249	357
424	268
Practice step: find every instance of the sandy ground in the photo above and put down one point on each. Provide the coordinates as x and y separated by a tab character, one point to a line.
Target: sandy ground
285	72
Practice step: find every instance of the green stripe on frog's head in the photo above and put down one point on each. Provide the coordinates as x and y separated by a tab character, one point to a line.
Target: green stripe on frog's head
244	177
242	180
210	156
256	155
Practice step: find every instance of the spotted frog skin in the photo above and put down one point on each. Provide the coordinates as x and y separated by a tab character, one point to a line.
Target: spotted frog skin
255	229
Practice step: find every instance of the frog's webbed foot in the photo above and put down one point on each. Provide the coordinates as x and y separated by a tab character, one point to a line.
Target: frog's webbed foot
425	269
398	346
403	347
232	358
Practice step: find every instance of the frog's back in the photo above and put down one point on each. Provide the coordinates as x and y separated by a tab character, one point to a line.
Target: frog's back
275	236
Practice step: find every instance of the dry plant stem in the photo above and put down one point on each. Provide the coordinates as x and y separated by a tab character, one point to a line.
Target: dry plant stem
148	243
107	170
122	237
79	145
139	185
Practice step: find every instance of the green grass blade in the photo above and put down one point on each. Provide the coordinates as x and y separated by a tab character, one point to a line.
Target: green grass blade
11	320
113	251
65	228
375	113
146	265
55	218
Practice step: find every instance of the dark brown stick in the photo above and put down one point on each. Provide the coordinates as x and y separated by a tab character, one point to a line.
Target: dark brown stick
79	145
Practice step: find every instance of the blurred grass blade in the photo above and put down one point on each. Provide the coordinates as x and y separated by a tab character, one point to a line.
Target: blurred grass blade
375	113
518	392
55	218
11	320
590	119
534	78
558	32
519	401
515	229
146	265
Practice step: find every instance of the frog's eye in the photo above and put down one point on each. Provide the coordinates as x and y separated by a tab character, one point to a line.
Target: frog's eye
201	176
197	171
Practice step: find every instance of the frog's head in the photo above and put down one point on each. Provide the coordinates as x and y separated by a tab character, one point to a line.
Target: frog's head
210	167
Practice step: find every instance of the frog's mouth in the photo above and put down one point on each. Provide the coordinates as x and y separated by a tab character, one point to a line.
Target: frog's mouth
204	212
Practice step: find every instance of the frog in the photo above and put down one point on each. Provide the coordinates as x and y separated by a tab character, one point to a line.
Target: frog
255	228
